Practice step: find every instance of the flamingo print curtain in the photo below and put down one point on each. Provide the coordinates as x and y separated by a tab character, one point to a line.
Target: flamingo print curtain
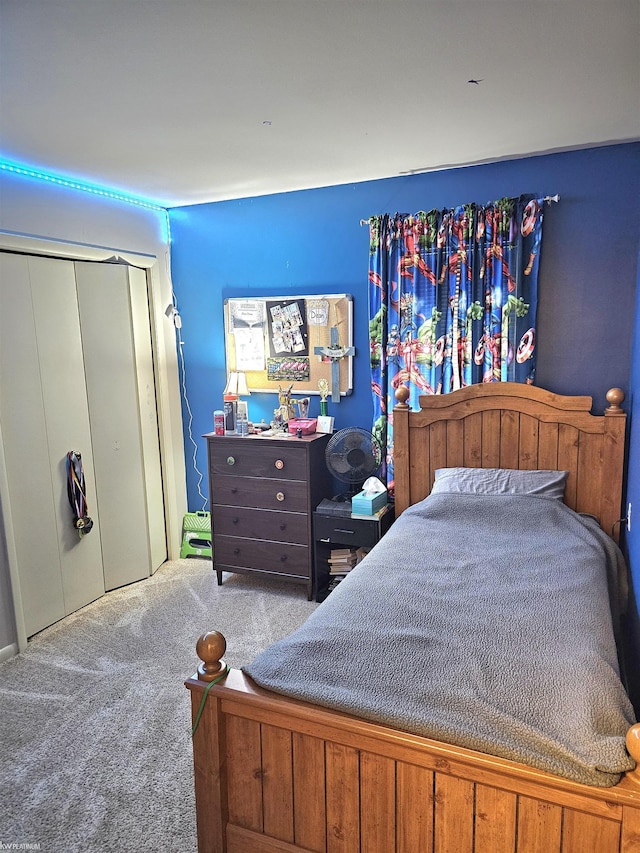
452	302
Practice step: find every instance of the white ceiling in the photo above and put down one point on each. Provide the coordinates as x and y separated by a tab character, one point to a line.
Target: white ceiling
188	101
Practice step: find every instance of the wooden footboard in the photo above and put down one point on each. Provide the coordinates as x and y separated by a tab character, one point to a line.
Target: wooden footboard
274	774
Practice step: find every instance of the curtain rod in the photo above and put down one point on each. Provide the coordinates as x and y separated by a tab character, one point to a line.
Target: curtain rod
547	198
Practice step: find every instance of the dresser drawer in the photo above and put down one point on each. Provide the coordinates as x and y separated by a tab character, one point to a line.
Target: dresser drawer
261	524
246	458
257	554
286	495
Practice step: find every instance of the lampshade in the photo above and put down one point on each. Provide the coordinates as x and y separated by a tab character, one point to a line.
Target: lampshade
236	385
243	391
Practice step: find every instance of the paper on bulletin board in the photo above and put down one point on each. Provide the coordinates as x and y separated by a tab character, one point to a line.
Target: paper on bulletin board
287	324
247	324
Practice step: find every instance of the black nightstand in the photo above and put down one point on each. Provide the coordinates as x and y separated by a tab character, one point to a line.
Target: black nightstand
331	530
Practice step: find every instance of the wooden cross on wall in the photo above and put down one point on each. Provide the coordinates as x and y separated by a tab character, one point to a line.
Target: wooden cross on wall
335	352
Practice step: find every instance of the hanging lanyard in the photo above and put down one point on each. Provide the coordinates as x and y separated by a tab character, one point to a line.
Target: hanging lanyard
76	492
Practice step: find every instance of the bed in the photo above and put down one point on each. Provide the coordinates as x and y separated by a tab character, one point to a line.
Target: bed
276	772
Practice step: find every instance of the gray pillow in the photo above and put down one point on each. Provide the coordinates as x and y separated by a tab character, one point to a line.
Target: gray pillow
500	481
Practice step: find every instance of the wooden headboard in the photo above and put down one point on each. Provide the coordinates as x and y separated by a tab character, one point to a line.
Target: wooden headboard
513	425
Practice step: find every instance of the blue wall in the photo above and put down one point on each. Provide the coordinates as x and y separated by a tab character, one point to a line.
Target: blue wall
312	242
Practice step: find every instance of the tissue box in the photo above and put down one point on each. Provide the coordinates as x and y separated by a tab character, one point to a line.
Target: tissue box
368	504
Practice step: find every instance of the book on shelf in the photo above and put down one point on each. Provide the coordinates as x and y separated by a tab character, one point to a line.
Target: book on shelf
336	553
340	568
333	583
376	515
342	560
347	558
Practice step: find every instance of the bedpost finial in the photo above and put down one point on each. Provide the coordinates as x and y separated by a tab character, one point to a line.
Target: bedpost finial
633	748
402	395
210	647
615	398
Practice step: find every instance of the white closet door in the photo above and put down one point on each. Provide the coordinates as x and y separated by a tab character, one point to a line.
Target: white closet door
112	390
29	515
44	413
148	410
55	310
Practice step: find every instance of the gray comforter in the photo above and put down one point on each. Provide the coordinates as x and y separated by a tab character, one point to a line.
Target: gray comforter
482	621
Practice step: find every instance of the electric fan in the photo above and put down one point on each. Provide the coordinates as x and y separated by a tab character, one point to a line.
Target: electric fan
352	455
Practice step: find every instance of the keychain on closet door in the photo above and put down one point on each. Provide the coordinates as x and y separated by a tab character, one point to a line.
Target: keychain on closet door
77	494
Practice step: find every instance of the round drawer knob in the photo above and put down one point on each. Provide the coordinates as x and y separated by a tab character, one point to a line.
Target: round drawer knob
235	520
279	464
280	496
231	460
283	558
236	550
283	527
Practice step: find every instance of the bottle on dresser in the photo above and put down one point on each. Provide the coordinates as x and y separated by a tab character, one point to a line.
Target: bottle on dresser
230	411
242	423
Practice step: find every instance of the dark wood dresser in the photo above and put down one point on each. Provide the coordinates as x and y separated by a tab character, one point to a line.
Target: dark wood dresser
263	492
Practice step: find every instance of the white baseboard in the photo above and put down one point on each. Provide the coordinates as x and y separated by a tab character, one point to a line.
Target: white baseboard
8	652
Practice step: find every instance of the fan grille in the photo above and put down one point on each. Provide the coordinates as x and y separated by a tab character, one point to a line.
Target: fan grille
353	454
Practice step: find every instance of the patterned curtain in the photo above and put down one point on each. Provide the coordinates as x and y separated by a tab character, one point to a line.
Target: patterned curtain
452	302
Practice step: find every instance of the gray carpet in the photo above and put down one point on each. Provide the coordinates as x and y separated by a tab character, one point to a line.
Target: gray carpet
95	751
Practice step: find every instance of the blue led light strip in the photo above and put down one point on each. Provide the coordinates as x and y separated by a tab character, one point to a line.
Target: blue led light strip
17	169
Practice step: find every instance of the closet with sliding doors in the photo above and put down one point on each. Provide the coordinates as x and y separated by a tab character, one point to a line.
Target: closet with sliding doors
76	375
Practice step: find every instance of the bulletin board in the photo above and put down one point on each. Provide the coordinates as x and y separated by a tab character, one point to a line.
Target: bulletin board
273	339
